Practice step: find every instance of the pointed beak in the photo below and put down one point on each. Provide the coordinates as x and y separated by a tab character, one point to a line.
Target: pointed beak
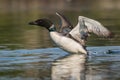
32	23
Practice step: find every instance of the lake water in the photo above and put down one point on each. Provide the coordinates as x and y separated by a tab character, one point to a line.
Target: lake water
27	53
56	64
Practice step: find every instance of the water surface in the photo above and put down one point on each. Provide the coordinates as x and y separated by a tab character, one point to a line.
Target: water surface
56	64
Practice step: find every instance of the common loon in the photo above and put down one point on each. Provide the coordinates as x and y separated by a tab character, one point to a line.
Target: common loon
69	38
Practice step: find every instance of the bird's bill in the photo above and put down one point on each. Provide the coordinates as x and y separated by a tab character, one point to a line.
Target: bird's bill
32	23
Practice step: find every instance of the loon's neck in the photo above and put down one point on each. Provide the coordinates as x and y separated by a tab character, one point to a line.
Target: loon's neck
52	28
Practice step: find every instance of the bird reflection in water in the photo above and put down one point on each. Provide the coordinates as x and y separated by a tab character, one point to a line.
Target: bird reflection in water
71	67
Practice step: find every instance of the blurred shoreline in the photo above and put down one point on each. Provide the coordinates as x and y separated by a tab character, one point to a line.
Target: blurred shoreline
58	5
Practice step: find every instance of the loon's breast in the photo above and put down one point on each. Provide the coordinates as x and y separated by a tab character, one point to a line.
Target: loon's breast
67	43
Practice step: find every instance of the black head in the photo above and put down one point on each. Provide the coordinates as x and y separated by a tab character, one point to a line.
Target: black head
42	22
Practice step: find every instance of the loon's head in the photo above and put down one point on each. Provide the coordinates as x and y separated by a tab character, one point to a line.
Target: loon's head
42	22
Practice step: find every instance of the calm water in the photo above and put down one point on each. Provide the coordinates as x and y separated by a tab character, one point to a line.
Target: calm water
55	64
27	53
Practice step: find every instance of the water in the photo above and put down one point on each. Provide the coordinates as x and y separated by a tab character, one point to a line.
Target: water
27	53
56	64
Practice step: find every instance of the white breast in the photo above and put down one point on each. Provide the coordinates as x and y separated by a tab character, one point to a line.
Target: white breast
66	43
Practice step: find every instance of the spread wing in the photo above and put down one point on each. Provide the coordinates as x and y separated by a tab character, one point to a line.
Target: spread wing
65	26
95	27
85	26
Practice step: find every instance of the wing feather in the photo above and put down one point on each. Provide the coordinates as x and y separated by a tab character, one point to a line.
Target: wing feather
65	26
95	27
85	26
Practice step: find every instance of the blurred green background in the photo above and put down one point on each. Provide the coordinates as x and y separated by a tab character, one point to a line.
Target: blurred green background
15	33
